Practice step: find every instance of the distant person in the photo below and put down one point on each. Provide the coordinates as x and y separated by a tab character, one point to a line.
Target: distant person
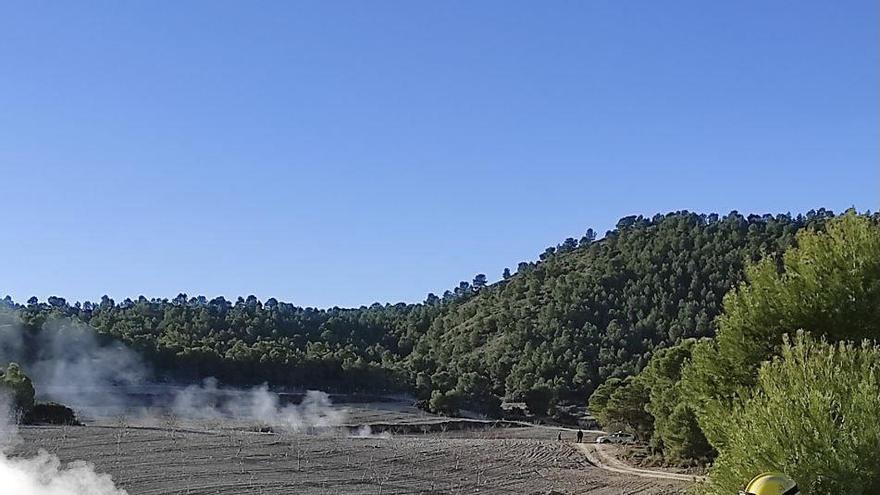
559	436
580	436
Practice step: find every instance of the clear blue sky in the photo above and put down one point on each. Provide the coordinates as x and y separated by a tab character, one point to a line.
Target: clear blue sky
341	153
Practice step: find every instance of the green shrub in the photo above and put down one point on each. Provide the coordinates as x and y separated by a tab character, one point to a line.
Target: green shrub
828	285
476	395
599	399
19	386
51	413
626	408
815	415
676	432
539	400
445	402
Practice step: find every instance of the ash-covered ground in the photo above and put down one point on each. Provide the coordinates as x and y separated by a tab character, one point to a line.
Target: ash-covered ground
167	454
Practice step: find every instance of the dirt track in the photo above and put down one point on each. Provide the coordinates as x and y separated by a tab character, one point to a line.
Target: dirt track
600	456
223	460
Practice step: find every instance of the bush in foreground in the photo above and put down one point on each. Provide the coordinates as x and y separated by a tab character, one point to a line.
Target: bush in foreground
814	414
829	285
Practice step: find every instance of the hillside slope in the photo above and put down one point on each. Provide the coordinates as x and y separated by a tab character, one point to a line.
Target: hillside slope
598	310
558	327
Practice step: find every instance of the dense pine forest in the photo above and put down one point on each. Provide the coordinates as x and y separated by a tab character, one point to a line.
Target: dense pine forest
743	341
589	309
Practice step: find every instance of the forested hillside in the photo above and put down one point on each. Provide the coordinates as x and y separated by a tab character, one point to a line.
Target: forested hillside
593	310
789	382
556	328
249	341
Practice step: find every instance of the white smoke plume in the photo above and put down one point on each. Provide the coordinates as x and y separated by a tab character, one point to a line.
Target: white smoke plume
44	474
69	364
103	379
365	431
209	401
75	369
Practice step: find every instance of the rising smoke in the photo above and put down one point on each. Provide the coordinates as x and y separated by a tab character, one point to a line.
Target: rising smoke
74	368
70	364
44	474
209	401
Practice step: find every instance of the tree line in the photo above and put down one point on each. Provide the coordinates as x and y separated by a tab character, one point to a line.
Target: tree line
588	310
791	380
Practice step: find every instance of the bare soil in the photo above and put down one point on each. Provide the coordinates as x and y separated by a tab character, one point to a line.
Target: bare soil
234	458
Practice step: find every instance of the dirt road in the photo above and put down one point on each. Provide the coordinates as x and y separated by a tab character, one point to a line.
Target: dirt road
600	456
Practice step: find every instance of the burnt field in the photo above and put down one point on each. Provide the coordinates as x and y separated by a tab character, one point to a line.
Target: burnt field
140	437
235	458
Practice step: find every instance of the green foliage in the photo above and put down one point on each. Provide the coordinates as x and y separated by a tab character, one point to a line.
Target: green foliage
682	439
813	414
676	432
829	284
539	400
423	386
475	393
652	405
626	408
594	310
445	402
19	387
249	341
51	413
599	399
588	311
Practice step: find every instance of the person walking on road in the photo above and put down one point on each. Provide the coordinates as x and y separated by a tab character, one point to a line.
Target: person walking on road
559	436
580	436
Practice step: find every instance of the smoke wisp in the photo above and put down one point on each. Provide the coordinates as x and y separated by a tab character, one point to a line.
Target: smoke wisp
74	368
365	431
100	379
68	363
44	474
208	401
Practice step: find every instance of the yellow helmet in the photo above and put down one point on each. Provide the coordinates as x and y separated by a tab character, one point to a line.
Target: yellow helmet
771	484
